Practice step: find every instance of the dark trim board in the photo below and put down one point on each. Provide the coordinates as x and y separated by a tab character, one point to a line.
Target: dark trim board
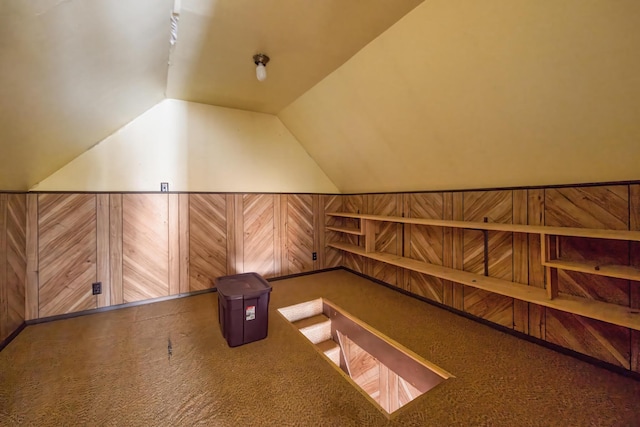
451	190
551	346
115	307
306	273
5	342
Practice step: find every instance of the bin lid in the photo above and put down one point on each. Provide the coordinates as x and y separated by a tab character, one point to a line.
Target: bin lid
243	285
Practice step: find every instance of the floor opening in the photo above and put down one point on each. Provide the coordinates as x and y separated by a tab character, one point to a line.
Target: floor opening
387	372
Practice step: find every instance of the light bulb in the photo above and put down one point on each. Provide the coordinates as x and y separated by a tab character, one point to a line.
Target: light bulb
261	72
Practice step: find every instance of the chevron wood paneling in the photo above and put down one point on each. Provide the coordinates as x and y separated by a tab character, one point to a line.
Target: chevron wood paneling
207	239
426	243
388	237
634	224
535	216
31	282
332	257
145	246
520	260
115	248
67	253
447	248
496	206
258	237
591	207
299	234
353	204
12	262
601	340
3	267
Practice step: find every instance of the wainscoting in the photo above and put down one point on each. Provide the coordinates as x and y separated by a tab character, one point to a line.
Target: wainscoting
140	246
145	246
13	261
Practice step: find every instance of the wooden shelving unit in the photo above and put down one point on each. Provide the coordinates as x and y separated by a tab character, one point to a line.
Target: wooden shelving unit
606	312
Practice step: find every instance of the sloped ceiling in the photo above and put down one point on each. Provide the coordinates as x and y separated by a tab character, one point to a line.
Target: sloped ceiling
306	40
384	95
481	94
74	71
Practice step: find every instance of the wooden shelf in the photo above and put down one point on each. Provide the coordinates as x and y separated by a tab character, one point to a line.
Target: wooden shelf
348	230
609	270
606	312
491	226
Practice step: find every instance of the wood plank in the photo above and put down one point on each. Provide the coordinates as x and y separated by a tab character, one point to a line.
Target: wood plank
259	233
548	248
230	200
603	341
332	257
384	386
535	216
598	207
634	260
174	244
606	312
299	233
496	207
355	204
115	248
515	228
318	232
183	242
31	290
520	260
592	267
16	260
103	269
4	307
458	249
347	230
280	249
145	263
239	233
447	247
426	244
66	253
208	246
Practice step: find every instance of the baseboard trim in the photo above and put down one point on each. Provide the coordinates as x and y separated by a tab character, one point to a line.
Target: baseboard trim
116	307
154	300
5	342
551	346
306	273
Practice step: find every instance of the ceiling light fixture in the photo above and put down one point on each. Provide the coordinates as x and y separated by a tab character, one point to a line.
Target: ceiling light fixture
261	61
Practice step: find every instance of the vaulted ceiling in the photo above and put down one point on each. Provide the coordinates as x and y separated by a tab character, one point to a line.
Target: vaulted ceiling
383	95
74	71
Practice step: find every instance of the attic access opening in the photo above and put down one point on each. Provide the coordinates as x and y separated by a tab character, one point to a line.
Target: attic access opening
386	372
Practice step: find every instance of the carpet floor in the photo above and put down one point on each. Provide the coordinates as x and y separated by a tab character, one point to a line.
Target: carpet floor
113	369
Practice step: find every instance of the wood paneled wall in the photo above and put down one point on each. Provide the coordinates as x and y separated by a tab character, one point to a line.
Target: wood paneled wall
13	261
145	246
515	257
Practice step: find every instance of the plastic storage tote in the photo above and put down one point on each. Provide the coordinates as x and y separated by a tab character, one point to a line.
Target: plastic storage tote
243	307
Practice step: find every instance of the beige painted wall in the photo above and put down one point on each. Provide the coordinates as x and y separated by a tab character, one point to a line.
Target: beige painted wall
468	94
195	147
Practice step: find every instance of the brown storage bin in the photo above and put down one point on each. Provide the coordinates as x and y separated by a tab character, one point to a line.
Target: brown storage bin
243	307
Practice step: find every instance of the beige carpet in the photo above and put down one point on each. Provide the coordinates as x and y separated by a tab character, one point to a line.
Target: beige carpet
113	369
